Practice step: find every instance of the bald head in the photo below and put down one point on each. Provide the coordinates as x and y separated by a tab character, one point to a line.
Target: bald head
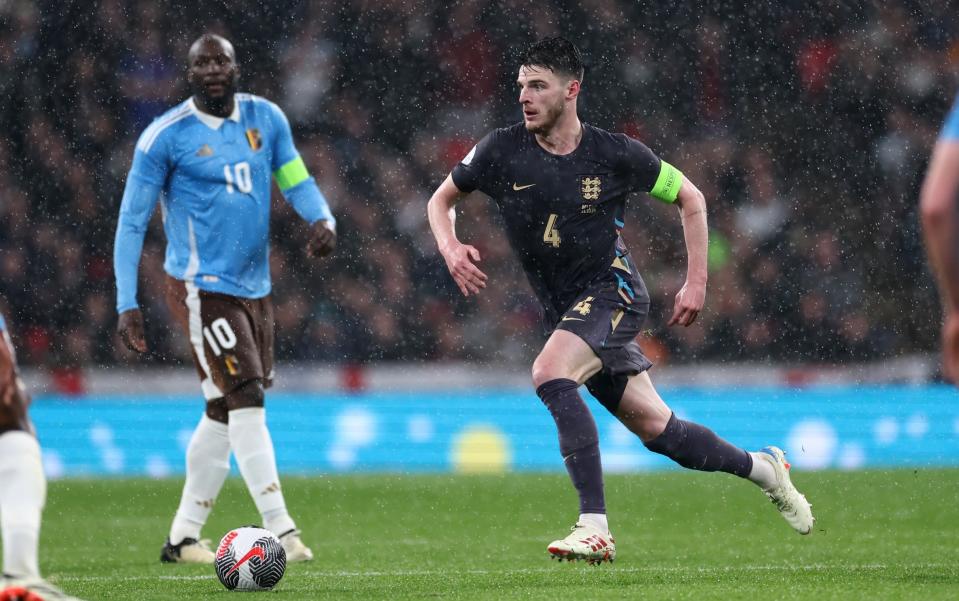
210	42
212	73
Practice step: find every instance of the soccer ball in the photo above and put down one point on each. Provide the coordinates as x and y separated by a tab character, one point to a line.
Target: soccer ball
250	559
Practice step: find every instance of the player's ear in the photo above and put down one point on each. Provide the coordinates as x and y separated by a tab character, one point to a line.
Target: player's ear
572	89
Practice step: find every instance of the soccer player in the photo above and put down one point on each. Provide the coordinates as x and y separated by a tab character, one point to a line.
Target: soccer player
940	226
211	157
23	486
561	187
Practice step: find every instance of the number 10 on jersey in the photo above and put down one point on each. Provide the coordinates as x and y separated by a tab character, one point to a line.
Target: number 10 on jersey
239	175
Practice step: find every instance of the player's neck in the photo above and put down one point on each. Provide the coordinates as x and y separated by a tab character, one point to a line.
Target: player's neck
217	109
564	138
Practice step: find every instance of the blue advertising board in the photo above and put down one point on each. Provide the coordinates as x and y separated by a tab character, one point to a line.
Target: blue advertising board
503	430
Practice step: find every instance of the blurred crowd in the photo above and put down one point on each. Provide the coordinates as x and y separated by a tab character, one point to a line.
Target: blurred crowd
806	124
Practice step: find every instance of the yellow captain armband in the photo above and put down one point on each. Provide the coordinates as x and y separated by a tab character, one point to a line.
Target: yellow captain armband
292	174
668	183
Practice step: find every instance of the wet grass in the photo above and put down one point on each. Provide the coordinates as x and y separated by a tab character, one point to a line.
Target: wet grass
879	535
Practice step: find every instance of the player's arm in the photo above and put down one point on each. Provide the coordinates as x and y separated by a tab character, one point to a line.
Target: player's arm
300	189
940	222
940	226
668	184
692	211
459	257
144	182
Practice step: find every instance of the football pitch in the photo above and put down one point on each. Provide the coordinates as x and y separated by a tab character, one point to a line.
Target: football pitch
879	535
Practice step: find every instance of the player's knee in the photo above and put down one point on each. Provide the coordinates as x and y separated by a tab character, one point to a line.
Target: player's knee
546	369
217	410
247	394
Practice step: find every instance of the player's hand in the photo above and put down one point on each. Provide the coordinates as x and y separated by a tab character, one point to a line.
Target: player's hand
459	260
689	302
130	329
322	239
950	348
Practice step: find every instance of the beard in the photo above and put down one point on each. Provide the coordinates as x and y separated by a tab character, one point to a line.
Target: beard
552	115
219	103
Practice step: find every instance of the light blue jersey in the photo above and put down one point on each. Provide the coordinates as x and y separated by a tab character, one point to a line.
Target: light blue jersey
950	129
214	176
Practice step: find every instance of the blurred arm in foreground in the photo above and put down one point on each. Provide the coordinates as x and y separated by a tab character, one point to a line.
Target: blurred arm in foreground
940	225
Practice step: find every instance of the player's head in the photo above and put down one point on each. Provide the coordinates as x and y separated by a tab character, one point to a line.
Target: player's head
212	70
550	75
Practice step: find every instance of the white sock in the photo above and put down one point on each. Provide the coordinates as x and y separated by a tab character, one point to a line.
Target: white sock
207	466
597	520
22	494
763	472
253	450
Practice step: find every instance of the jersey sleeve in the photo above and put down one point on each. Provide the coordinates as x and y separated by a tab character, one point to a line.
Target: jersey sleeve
289	170
950	129
472	173
651	174
147	176
151	159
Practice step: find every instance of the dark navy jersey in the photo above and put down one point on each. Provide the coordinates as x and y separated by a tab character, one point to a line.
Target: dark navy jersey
563	213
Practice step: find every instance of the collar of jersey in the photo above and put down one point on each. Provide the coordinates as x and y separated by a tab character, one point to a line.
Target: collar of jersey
215	122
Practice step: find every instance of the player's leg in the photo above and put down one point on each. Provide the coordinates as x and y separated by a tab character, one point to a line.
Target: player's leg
23	486
240	354
693	446
208	453
207	467
22	496
564	363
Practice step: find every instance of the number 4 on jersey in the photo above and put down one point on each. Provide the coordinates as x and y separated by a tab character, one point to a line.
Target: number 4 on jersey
551	235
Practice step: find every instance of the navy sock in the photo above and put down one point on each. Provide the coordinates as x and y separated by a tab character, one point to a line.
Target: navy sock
578	441
698	448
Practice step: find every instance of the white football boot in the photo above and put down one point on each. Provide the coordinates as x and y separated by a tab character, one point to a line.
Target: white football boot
189	550
16	589
585	542
792	505
294	547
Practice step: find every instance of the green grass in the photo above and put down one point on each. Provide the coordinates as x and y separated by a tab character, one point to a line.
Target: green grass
879	535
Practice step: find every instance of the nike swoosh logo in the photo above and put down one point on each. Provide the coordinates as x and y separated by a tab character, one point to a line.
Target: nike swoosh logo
518	187
572	319
254	552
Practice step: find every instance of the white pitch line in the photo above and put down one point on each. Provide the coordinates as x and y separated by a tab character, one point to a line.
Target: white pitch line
650	569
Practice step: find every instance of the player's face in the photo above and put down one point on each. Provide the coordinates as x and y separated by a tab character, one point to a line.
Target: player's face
543	96
212	71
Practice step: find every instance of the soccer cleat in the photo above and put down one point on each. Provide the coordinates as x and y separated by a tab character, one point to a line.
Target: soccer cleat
586	543
294	547
189	550
792	505
31	589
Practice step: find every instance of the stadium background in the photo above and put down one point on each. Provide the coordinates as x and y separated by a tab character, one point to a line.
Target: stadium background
807	130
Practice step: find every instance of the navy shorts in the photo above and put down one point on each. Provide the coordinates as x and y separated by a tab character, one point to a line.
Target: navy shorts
609	316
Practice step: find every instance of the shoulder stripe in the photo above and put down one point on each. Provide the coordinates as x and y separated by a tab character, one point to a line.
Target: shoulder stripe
151	133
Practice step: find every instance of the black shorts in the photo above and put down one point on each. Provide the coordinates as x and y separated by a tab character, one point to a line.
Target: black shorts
609	326
609	316
231	337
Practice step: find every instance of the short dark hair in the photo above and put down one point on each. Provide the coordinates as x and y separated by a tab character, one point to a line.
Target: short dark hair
557	54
